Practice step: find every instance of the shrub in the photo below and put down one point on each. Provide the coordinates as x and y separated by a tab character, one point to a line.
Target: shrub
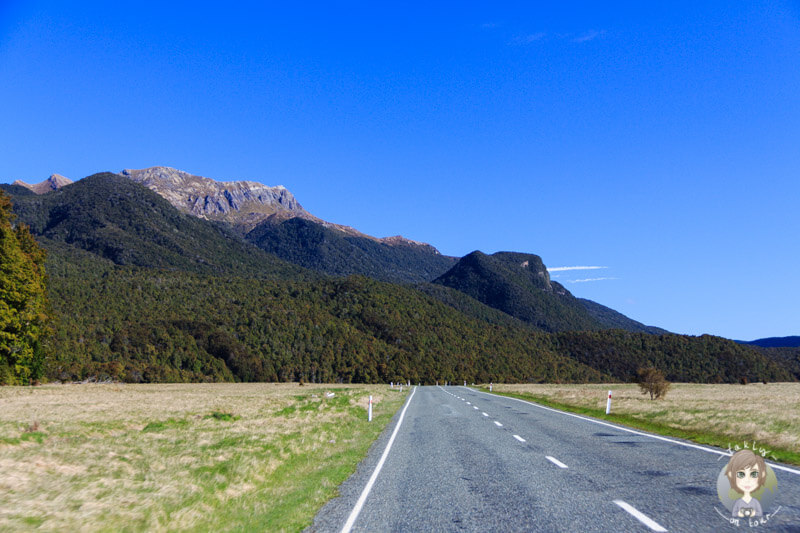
652	381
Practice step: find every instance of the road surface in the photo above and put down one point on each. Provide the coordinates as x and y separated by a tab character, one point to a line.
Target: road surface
457	459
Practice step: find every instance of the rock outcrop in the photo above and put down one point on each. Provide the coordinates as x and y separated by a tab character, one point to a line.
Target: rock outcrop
244	204
241	203
55	181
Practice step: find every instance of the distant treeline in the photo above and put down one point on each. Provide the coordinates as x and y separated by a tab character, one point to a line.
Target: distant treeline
140	292
148	325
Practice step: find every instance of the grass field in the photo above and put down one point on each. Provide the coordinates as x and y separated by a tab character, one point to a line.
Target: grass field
180	457
720	415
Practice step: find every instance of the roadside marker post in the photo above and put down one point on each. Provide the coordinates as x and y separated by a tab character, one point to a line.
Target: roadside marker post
369	416
608	405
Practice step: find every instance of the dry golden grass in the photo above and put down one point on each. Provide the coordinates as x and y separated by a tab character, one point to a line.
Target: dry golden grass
176	456
769	413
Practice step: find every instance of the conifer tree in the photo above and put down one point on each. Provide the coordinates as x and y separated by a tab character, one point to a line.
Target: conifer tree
23	301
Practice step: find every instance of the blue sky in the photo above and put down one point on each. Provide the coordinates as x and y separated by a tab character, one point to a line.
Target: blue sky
660	143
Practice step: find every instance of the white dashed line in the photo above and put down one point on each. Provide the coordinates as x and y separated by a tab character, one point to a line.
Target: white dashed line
484	414
555	461
498	424
649	435
475	407
644	519
519	438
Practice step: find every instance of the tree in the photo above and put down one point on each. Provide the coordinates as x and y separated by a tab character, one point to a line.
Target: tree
24	309
651	380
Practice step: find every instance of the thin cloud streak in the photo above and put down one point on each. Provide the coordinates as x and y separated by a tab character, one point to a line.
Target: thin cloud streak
587	280
562	269
588	36
527	39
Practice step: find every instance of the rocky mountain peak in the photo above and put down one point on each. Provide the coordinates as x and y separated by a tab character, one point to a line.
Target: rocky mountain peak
241	203
55	181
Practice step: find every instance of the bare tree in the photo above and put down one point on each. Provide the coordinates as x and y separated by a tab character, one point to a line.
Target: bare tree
651	380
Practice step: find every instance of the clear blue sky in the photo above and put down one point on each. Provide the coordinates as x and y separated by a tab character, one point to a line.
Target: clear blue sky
662	143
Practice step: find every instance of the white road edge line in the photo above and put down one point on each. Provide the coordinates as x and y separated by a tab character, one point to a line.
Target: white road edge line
363	498
555	461
641	517
673	441
519	438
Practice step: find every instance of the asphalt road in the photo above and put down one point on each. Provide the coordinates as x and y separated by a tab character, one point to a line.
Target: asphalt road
456	459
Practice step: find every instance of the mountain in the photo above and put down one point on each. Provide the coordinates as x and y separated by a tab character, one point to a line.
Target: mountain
124	222
775	342
240	203
615	320
314	246
54	182
519	285
144	292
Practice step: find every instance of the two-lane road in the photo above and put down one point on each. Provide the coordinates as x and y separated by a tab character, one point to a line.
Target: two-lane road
463	460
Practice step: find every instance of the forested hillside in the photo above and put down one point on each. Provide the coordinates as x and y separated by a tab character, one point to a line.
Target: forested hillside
139	324
519	285
141	292
332	252
124	222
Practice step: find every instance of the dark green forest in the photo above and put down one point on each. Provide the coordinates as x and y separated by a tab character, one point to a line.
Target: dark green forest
145	325
137	324
332	252
143	293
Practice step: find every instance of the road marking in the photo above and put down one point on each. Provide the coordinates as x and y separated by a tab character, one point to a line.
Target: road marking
475	407
519	438
555	461
363	498
659	437
498	424
469	403
484	414
641	517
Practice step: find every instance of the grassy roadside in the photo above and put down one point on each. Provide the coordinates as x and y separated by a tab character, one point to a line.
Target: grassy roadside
180	457
724	416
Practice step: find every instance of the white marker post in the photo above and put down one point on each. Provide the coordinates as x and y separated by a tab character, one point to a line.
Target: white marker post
391	385
608	405
490	387
369	415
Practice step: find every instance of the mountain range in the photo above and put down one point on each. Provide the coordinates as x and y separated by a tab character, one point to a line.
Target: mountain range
161	275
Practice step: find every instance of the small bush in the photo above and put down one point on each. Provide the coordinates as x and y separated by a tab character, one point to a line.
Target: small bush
653	382
743	380
225	417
